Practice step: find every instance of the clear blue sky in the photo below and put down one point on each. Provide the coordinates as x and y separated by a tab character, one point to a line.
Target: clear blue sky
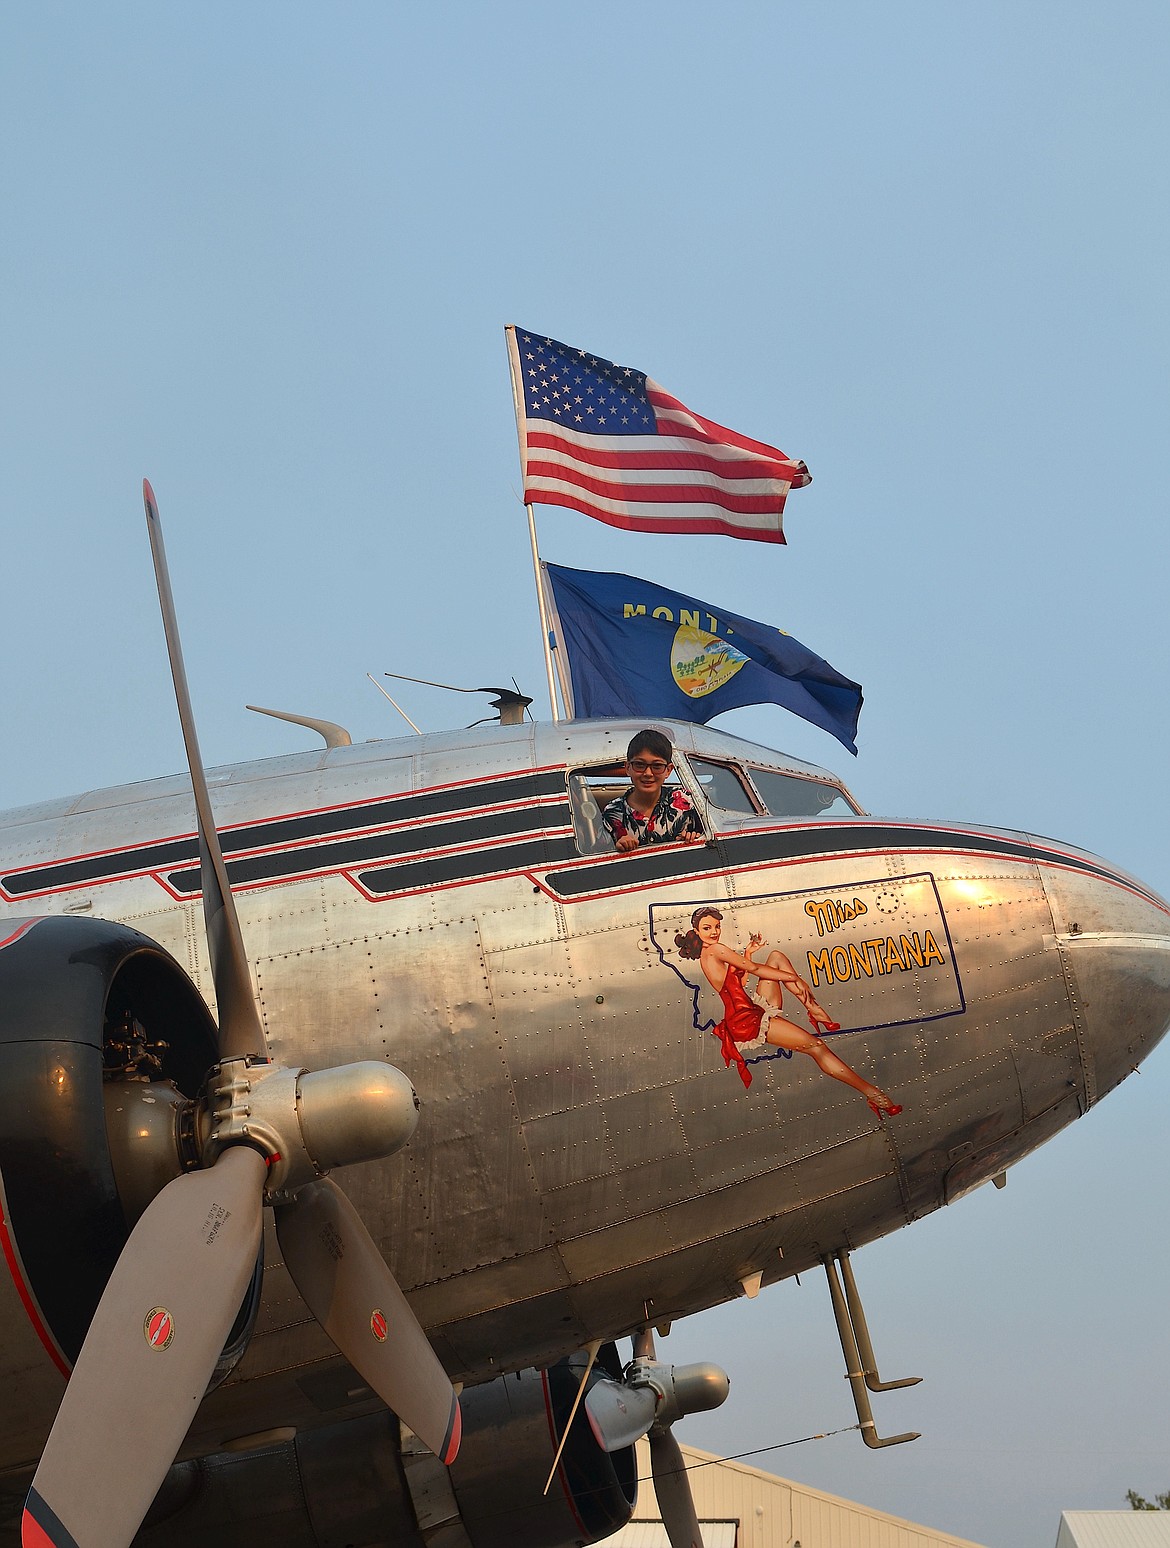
264	254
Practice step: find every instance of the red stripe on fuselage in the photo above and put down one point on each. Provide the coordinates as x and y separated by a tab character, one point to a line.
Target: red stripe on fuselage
482	808
1080	865
16	934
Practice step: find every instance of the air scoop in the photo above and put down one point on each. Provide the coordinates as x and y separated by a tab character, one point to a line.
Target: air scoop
304	1122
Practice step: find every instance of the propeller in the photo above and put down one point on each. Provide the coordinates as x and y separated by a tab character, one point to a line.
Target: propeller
265	1133
672	1490
240	1032
150	1349
648	1401
335	1284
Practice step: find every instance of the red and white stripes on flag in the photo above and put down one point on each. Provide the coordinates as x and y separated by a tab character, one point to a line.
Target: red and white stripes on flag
605	440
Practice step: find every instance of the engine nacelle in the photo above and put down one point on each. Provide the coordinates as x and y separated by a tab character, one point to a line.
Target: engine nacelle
365	1482
103	1041
67	987
511	1429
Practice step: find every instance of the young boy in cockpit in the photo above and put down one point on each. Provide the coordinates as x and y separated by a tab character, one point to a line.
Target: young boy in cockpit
646	813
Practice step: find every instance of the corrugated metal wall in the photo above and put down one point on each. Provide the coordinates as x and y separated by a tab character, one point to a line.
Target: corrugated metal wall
774	1512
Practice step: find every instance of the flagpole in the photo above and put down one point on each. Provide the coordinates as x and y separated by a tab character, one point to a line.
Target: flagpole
543	610
518	402
557	644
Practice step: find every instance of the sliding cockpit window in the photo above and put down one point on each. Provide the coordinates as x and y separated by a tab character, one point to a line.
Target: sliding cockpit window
590	791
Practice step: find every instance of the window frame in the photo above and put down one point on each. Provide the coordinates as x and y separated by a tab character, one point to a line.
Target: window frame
739	771
581	819
809	779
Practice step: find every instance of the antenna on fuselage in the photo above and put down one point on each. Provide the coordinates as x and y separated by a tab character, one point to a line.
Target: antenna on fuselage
393	701
510	702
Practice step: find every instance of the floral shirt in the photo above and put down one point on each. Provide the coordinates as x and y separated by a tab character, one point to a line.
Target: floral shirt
672	818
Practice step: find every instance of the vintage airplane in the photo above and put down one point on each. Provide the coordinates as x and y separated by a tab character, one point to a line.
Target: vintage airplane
614	1130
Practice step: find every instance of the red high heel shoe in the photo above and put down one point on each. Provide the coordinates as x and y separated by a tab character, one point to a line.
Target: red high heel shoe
885	1112
819	1026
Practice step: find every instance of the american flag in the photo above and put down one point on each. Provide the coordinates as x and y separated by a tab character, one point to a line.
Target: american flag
606	440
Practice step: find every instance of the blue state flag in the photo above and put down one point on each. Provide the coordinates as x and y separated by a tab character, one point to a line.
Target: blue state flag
631	648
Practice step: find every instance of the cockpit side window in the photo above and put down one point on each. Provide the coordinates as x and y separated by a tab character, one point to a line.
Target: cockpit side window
723	785
787	795
589	791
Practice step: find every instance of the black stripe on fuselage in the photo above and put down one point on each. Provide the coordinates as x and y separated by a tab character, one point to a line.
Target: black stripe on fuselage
641	867
469	836
304	830
478	865
466	833
745	851
99	868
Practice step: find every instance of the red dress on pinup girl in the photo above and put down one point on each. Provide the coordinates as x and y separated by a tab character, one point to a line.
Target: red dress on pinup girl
741	1021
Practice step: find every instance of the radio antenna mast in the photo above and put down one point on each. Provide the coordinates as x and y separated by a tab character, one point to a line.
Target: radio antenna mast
510	702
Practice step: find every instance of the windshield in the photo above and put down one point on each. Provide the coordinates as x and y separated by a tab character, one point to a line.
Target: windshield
723	785
785	795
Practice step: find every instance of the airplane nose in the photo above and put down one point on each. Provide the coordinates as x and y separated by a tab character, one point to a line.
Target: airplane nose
1113	935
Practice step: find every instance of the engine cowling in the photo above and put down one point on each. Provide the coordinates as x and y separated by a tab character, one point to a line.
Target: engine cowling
74	1101
67	987
364	1482
512	1427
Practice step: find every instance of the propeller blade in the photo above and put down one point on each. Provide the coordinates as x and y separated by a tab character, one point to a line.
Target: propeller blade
353	1295
148	1356
619	1414
240	1031
672	1489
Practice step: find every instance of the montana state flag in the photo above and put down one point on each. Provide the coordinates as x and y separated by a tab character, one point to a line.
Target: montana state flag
630	648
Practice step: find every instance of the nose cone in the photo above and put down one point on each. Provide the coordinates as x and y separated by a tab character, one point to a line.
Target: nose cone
1114	938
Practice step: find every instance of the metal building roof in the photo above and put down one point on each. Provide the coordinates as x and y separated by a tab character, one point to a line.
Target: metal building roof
1114	1529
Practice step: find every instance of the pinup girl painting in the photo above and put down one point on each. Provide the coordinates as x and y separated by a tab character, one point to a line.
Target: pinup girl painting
752	1019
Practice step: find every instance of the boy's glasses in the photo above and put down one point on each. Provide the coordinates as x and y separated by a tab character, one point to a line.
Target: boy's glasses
643	766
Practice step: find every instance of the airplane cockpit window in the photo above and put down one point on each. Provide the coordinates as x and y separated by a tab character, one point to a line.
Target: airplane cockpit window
723	785
589	791
786	795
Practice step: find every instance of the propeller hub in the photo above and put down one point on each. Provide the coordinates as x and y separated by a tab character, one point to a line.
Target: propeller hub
680	1389
304	1122
650	1398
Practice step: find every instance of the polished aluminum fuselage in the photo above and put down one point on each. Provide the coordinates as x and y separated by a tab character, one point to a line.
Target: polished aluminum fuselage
586	1161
